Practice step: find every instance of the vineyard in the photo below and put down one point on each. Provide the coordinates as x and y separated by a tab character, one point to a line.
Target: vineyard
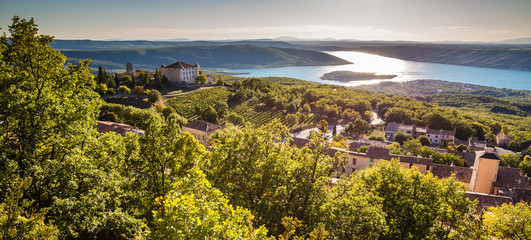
260	115
185	104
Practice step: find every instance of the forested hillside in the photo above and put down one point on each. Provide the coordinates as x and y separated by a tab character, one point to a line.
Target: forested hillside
224	56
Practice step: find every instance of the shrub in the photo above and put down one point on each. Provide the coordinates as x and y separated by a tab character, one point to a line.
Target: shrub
138	90
124	90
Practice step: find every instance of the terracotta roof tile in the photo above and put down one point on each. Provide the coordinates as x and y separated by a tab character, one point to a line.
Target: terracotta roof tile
511	178
462	174
487	200
179	65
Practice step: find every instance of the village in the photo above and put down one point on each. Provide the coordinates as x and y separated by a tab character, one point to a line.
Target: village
487	181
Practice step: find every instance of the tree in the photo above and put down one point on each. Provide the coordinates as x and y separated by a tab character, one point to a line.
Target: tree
145	78
201	79
425	141
220	82
235	119
461	148
322	126
442	211
435	120
221	109
124	90
51	111
154	96
274	180
412	146
196	210
401	137
157	79
101	88
209	114
508	221
138	90
510	160
525	165
127	81
399	115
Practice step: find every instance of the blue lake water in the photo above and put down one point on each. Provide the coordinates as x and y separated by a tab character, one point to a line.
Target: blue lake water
406	71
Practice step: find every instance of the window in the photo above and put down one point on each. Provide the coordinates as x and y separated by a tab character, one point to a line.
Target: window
428	135
428	167
436	136
372	160
353	161
435	140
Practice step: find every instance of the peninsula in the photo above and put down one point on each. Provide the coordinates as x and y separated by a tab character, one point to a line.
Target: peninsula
347	76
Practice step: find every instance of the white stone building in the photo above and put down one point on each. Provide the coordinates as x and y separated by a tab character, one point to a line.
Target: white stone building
180	72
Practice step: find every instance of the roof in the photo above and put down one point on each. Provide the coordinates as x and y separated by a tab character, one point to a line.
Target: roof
178	65
510	178
202	126
300	142
486	200
120	128
392	127
489	156
448	132
503	136
462	174
378	153
412	159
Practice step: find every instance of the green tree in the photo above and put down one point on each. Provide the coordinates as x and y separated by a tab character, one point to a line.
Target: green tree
525	165
435	120
510	160
154	96
461	148
413	146
440	213
201	79
138	90
509	221
157	79
124	90
425	141
196	210
274	180
127	81
322	126
209	114
235	119
401	138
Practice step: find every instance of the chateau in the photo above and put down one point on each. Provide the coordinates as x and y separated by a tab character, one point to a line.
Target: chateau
180	72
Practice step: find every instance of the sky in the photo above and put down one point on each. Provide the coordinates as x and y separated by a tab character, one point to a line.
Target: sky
415	20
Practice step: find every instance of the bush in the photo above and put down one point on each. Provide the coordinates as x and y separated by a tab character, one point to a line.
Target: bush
138	90
154	96
124	90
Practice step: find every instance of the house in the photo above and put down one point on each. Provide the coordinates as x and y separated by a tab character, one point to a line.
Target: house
180	72
439	136
503	140
120	128
201	130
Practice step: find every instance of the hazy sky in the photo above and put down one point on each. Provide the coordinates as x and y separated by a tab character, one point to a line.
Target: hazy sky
421	20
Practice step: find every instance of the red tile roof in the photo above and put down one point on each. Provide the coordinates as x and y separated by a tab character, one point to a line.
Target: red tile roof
178	65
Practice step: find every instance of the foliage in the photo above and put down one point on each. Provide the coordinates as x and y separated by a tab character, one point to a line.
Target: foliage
124	90
154	96
401	138
196	210
274	180
440	213
186	104
509	221
359	126
201	79
510	160
425	141
322	126
138	90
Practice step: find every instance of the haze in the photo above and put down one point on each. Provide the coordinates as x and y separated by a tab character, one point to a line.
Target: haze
417	20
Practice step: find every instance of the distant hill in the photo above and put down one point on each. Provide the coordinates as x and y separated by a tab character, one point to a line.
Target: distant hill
60	44
488	55
517	41
223	56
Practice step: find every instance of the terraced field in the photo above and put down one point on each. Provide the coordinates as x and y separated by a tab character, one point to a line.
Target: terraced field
260	115
185	104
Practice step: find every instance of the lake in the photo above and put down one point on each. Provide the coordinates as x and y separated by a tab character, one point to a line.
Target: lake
406	71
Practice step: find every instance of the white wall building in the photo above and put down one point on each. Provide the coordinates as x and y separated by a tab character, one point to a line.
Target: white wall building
180	72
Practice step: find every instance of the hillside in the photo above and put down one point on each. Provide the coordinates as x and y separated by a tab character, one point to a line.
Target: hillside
225	56
502	56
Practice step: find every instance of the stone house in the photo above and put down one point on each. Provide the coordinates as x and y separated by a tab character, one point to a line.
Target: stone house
180	72
201	130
